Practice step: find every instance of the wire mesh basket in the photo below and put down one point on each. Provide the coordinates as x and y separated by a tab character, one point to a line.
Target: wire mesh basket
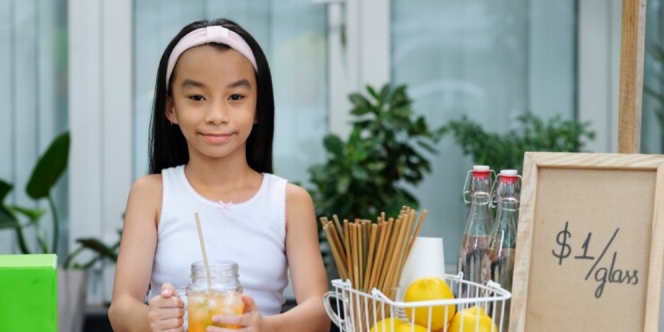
358	311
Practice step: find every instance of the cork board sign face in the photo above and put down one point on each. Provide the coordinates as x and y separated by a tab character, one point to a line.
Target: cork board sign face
589	246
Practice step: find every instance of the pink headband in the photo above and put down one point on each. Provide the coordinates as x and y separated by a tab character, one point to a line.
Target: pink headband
211	34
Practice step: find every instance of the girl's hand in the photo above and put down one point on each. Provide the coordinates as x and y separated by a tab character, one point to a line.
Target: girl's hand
166	311
250	321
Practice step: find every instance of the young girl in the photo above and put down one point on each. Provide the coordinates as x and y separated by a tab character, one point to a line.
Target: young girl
211	154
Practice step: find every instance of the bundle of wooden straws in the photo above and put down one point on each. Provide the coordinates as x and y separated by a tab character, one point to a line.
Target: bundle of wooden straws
372	255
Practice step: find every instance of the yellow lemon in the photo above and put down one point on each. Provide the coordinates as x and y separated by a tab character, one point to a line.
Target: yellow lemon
407	327
385	325
470	319
427	289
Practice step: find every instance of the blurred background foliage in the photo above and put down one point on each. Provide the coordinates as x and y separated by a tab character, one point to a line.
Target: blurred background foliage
532	133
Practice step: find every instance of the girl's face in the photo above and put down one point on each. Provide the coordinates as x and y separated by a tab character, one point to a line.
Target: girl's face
213	101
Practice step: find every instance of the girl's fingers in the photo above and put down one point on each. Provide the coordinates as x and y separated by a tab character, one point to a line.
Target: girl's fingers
166	317
167	290
227	319
170	302
249	319
245	320
249	303
172	312
169	324
172	323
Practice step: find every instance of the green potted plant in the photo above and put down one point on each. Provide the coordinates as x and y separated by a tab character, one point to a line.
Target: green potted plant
505	151
101	251
46	173
371	171
72	277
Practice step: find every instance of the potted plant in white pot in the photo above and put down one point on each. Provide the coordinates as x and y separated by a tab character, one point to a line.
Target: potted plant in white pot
72	278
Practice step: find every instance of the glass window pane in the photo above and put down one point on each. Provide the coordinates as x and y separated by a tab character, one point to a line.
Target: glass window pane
489	60
33	99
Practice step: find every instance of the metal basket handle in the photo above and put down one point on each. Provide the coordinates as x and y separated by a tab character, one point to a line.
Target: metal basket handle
328	308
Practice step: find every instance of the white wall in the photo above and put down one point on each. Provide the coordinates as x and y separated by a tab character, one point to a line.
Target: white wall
599	70
358	54
32	98
100	123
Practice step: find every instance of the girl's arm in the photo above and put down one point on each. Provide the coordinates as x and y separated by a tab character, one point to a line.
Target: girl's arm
128	311
306	266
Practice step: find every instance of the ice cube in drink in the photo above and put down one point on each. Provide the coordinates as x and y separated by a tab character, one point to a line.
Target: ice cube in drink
203	306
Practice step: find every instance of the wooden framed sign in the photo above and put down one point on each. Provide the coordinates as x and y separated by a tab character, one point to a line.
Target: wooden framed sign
590	243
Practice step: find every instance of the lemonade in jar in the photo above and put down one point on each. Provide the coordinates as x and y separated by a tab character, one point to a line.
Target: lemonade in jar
220	296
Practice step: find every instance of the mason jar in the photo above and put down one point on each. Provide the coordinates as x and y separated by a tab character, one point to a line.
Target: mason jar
220	294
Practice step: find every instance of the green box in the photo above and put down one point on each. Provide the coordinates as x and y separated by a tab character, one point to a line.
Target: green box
29	293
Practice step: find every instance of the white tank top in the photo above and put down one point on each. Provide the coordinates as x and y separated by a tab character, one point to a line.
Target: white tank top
251	233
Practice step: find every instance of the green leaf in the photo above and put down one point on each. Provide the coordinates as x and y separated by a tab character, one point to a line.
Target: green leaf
384	98
22	245
49	168
343	184
654	94
5	189
333	144
372	92
360	173
362	124
32	214
99	248
358	100
70	257
7	219
360	111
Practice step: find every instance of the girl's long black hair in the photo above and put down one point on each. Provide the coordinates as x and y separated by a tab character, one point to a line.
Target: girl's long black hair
168	147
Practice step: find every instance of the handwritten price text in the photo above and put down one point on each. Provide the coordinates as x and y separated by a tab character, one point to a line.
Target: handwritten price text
602	275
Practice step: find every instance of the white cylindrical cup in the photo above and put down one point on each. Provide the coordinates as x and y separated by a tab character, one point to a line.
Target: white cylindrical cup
426	259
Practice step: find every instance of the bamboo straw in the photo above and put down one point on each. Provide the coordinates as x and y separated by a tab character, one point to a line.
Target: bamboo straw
417	231
349	250
394	255
411	217
333	237
403	247
350	233
338	243
349	254
370	257
338	225
380	253
393	225
335	253
355	251
202	242
360	255
412	240
365	243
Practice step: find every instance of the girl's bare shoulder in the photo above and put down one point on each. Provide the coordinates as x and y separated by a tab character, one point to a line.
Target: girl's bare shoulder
298	195
144	201
147	184
146	192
